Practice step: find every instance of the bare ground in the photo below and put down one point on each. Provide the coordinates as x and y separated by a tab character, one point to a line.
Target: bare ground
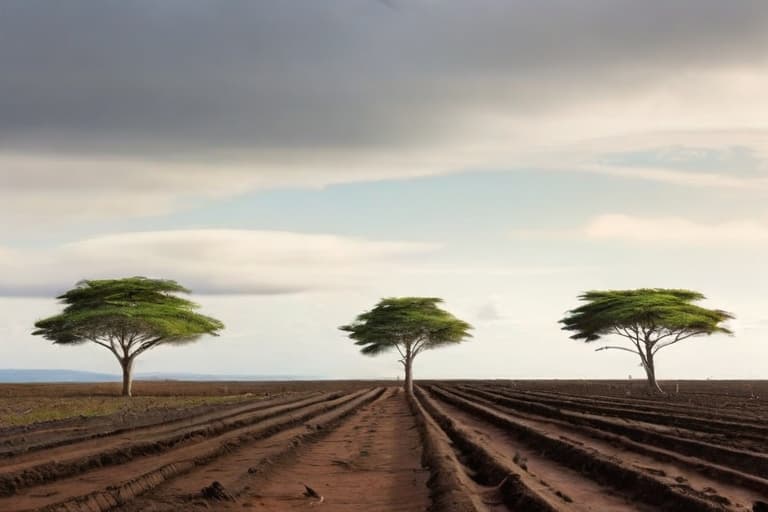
454	447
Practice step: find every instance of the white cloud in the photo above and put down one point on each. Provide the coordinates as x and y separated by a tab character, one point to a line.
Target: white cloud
683	178
45	188
53	190
675	230
208	261
489	312
667	230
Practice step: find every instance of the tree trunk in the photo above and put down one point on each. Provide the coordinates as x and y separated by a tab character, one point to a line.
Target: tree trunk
127	365
650	371
408	376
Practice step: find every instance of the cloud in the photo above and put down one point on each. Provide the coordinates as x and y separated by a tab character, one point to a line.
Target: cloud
760	324
208	261
136	108
675	230
683	178
489	312
663	230
666	230
742	159
45	189
248	74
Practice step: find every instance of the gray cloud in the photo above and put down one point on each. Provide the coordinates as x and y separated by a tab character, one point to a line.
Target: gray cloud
112	108
198	76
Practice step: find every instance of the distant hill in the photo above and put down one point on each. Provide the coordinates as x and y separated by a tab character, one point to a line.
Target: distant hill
17	376
21	376
203	376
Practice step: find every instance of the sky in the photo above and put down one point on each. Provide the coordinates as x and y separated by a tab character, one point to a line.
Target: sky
294	162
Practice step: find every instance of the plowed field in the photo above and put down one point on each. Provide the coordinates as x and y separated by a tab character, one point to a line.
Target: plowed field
454	446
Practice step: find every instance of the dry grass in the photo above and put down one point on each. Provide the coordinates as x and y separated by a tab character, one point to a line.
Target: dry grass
27	410
179	388
24	404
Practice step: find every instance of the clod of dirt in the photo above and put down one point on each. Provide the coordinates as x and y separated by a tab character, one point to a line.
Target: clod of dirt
760	506
520	461
216	492
658	472
343	463
311	493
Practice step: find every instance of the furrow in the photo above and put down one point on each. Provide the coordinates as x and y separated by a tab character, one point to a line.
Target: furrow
68	461
515	489
83	435
634	484
130	495
749	462
754	431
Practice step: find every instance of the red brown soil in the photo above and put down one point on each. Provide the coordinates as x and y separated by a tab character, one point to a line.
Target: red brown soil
371	463
200	445
182	388
456	447
577	485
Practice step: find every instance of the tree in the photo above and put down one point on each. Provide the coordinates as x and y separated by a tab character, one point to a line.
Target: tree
650	318
410	325
128	317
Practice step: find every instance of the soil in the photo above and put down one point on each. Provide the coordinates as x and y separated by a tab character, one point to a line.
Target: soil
456	446
371	463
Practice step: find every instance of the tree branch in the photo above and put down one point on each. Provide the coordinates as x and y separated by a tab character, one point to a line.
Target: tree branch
131	340
111	348
666	335
623	332
613	347
146	346
420	344
679	337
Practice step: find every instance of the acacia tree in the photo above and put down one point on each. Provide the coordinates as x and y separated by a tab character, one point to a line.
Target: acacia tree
127	317
650	318
409	325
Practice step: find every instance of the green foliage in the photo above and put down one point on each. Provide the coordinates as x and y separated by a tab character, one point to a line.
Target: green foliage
128	315
652	313
410	324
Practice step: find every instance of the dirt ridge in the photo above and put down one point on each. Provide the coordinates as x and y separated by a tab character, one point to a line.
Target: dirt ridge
746	461
12	481
107	499
645	487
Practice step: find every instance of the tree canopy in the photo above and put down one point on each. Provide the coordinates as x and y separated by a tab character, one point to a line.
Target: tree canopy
651	318
128	317
409	325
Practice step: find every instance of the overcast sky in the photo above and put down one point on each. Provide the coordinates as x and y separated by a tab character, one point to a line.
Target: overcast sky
293	162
